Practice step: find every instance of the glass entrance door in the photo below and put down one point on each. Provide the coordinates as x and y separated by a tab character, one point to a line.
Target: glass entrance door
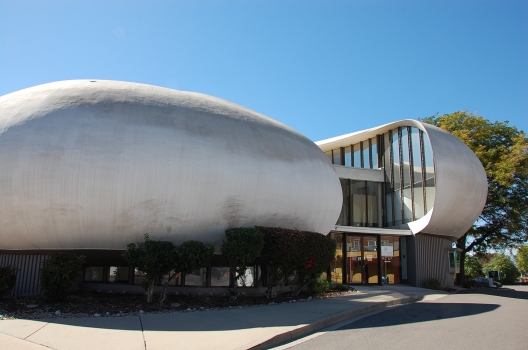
362	259
354	259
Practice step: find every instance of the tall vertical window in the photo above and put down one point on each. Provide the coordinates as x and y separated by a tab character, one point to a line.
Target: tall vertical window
406	171
366	154
417	174
348	156
387	158
397	177
429	173
357	156
374	151
345	209
337	156
359	203
373	203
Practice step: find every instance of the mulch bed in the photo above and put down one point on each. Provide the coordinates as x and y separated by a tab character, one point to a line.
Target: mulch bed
119	304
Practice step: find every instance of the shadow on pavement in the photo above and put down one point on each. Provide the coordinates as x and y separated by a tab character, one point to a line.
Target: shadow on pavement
421	312
504	292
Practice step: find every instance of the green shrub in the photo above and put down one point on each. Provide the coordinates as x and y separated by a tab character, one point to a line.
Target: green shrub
317	252
153	258
340	287
433	283
192	255
7	280
302	254
319	286
240	248
508	273
57	274
280	255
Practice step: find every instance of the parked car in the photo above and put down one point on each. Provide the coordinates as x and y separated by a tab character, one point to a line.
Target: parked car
484	282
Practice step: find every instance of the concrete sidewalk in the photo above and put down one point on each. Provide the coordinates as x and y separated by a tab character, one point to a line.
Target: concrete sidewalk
246	328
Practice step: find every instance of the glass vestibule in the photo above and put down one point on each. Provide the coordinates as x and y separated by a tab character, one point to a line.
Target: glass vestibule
366	259
362	259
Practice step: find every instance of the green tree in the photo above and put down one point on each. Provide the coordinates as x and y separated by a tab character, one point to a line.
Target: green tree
521	259
57	274
153	258
503	151
473	266
508	273
240	248
192	255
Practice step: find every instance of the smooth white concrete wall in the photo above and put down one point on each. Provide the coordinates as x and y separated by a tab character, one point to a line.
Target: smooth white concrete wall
98	164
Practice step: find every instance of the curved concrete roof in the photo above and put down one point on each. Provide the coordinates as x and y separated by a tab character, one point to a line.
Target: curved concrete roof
460	180
96	164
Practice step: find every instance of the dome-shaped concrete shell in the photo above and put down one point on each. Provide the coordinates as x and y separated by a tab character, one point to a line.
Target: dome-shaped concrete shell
96	164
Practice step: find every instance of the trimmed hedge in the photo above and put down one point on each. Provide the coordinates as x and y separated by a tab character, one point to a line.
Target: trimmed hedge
8	275
240	248
158	258
303	254
57	274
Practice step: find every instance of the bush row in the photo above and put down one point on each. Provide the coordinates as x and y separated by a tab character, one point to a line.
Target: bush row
298	256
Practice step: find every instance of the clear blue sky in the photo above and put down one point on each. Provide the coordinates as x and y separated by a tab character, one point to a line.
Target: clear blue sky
325	68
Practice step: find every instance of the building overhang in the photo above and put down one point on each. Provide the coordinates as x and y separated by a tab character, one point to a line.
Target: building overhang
372	230
345	172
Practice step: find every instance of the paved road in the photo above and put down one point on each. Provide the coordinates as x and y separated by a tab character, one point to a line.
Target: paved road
475	319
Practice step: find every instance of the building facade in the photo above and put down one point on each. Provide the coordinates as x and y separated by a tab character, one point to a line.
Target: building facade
409	190
90	166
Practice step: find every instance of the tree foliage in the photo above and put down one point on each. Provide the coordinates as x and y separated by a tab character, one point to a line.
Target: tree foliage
163	258
192	255
8	276
318	251
473	266
281	256
304	255
153	258
508	273
503	151
240	248
521	259
57	274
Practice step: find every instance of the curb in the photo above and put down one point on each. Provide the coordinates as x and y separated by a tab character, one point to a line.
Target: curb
329	321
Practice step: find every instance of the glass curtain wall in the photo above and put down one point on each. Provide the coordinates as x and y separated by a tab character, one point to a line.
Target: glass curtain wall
361	204
409	174
360	155
406	155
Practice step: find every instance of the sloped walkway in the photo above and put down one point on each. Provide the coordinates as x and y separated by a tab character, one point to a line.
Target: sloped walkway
246	328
